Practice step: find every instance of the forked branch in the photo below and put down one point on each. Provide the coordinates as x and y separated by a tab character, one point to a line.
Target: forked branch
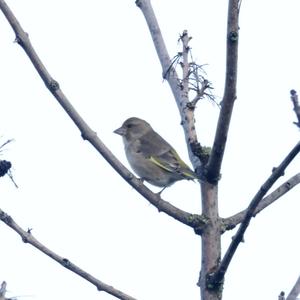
217	277
88	134
231	222
179	91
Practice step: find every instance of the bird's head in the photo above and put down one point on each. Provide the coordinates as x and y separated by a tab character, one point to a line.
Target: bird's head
133	128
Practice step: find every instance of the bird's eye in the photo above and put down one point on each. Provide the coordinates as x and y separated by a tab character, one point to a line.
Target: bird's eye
129	125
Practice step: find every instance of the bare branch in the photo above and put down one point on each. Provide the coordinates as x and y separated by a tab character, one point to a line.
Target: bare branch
218	276
215	160
231	222
185	63
5	143
201	92
3	290
194	221
295	291
294	98
193	78
170	74
27	237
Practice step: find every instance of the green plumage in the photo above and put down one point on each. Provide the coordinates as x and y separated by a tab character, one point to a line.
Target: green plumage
151	157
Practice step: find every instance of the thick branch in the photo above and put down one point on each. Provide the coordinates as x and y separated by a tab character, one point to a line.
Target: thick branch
211	241
28	238
87	133
231	222
169	73
218	276
295	291
215	160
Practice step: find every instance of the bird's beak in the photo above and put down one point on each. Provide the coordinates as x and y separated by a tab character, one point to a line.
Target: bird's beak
120	131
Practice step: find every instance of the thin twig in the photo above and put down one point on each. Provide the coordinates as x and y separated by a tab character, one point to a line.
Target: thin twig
294	98
231	222
218	276
192	79
27	237
201	92
216	157
5	143
10	175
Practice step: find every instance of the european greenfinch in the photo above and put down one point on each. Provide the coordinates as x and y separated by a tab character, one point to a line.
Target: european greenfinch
150	156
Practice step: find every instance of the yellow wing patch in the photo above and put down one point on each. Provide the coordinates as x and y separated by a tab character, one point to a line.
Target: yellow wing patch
181	167
155	161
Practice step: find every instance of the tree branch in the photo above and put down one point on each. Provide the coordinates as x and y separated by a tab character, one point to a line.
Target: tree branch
194	221
295	291
216	157
185	39
3	290
231	222
218	276
294	98
170	74
27	237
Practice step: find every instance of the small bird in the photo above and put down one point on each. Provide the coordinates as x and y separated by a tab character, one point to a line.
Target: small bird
150	156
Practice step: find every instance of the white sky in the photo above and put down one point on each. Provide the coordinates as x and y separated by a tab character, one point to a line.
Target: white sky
102	55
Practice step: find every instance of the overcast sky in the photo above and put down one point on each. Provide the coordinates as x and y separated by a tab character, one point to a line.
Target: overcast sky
102	55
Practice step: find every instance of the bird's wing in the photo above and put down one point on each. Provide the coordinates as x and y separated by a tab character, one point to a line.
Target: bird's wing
163	155
171	162
152	143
